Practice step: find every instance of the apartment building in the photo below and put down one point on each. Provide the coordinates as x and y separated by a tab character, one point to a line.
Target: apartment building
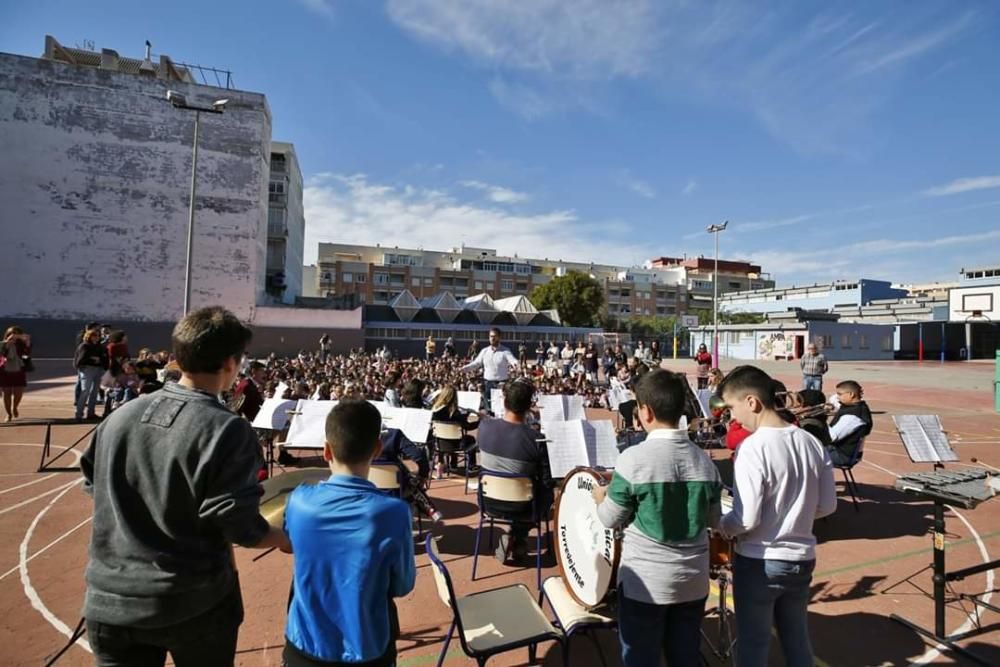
286	225
377	274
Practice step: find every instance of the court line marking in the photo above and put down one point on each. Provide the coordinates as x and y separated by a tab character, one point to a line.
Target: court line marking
21	486
933	653
21	504
47	547
29	590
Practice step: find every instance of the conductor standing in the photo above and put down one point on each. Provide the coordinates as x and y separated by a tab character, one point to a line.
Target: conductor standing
496	362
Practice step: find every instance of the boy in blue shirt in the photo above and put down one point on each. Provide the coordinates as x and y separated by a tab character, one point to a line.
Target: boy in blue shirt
353	553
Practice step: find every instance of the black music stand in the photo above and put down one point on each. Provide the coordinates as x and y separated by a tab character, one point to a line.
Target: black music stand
926	442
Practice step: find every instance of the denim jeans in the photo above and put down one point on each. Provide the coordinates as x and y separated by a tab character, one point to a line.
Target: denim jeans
207	640
766	592
488	387
812	382
647	631
90	383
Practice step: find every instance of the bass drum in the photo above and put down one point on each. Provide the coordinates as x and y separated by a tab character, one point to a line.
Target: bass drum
586	551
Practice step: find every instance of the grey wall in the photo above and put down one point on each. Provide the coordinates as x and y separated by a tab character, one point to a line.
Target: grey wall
94	182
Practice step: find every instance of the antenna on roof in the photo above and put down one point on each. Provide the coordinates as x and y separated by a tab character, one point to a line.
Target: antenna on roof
147	64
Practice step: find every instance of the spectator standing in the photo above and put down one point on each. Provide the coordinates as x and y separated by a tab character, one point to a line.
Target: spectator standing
325	347
15	355
429	348
704	362
814	366
91	360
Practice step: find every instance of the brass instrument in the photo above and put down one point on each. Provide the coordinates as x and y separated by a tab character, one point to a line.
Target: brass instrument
807	411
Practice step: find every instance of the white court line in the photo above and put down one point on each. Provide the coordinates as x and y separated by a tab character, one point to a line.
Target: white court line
40	496
47	546
21	486
933	653
29	590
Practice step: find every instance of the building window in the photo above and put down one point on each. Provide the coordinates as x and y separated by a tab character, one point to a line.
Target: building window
328	277
489	285
479	284
347	277
863	342
522	287
887	343
415	282
381	278
428	282
361	278
276	188
507	285
845	341
826	340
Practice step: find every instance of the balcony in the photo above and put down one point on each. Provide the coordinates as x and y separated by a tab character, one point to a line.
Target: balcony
277	229
277	198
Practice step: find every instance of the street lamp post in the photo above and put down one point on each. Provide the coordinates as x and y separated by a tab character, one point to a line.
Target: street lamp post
714	230
180	102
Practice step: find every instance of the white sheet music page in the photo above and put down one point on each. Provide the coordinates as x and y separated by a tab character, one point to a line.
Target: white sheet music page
573	407
551	407
308	428
413	422
566	446
280	390
496	402
601	442
469	400
273	414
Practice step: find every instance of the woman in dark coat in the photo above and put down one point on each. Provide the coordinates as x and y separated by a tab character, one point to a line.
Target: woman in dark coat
14	352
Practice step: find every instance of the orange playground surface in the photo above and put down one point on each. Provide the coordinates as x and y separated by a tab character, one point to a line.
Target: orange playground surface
45	528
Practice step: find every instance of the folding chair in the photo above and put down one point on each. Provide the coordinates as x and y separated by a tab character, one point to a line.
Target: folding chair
493	621
847	469
512	489
571	617
385	476
448	439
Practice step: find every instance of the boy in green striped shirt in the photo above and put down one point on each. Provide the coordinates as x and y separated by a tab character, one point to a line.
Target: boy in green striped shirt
666	489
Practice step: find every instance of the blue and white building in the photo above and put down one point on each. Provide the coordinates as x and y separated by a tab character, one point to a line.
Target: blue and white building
828	297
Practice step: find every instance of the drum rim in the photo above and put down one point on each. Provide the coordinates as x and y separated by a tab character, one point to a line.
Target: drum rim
598	475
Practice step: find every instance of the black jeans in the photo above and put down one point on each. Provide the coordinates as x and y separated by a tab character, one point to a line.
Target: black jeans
208	639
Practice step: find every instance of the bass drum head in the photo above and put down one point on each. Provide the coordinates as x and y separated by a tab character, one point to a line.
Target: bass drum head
586	551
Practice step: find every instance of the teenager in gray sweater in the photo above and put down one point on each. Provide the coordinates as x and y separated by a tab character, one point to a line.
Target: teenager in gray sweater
173	475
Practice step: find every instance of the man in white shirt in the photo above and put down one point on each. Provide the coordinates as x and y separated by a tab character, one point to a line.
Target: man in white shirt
496	362
783	481
567	358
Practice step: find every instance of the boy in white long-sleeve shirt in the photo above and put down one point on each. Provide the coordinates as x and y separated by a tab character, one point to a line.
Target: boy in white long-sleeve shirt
783	482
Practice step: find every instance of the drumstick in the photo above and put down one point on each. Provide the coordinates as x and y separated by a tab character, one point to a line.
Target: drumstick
975	460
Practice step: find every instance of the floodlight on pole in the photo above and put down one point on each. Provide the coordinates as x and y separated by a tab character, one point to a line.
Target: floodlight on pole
179	101
715	230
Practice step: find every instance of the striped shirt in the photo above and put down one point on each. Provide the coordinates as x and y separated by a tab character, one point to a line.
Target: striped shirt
669	490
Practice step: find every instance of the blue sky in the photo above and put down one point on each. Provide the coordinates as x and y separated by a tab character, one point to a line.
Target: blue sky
841	140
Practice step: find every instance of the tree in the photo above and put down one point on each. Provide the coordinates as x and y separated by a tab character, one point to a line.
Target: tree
725	317
577	297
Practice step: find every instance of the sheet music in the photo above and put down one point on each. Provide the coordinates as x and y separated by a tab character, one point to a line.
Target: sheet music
273	415
601	443
470	400
496	402
573	408
279	391
924	438
551	407
703	396
413	422
566	446
618	394
308	428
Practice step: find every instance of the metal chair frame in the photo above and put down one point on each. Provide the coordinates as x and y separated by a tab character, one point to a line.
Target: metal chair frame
848	470
484	514
395	490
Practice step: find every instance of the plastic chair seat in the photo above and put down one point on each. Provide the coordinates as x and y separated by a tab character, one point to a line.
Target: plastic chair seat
501	617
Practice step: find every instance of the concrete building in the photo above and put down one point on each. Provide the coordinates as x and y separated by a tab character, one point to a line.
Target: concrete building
95	186
976	304
818	297
286	225
786	337
734	276
376	274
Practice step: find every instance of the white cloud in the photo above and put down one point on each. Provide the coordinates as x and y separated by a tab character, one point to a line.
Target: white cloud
637	185
351	209
496	193
961	185
816	85
691	186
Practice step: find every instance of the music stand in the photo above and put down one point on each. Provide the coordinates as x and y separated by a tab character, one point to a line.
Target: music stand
926	442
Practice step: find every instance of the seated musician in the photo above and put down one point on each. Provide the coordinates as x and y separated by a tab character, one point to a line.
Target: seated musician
395	448
667	491
354	553
850	425
250	389
445	409
509	445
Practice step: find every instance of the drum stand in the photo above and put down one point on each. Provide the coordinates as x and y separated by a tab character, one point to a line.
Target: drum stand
723	648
